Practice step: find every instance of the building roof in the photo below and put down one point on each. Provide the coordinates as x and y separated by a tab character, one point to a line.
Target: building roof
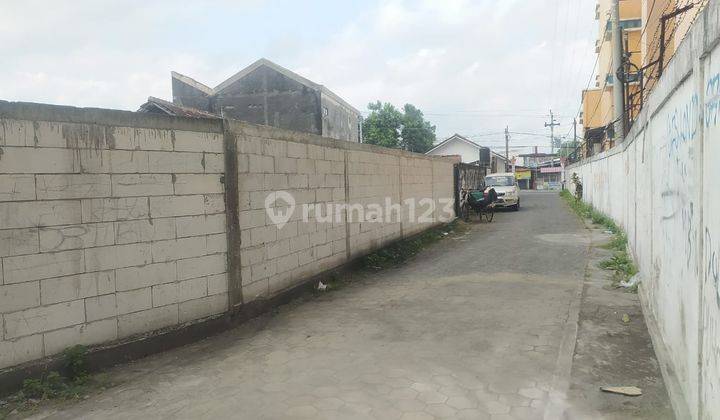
192	82
538	155
458	137
252	67
455	137
160	106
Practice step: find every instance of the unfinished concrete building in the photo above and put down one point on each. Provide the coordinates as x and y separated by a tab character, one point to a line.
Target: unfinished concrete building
268	94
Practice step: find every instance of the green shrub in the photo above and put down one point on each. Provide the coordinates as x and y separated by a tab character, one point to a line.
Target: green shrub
33	388
75	362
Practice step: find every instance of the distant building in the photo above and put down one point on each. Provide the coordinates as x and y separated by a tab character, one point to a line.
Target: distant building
534	160
268	94
545	170
469	152
598	100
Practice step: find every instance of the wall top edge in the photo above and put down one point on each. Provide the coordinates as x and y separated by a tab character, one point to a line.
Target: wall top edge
31	111
241	128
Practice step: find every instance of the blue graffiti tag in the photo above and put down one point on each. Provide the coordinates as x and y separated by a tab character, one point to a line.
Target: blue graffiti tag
682	124
713	264
712	103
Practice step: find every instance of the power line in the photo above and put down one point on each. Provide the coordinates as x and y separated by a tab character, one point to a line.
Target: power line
576	74
563	45
647	22
554	47
595	66
602	92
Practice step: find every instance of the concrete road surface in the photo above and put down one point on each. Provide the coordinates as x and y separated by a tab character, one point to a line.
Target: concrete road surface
478	326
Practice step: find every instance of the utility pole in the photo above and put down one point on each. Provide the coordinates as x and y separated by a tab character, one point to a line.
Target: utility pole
574	134
507	148
574	130
618	63
552	125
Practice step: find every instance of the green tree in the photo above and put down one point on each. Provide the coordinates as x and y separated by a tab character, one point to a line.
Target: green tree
382	127
389	127
567	148
417	134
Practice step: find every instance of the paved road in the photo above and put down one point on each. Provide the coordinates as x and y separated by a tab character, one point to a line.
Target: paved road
472	328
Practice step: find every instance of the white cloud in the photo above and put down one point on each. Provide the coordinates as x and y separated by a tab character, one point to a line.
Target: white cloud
445	56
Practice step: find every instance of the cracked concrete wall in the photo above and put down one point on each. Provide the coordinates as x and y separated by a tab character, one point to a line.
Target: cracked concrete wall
111	225
660	185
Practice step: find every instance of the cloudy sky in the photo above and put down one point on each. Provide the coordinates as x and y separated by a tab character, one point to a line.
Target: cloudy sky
473	66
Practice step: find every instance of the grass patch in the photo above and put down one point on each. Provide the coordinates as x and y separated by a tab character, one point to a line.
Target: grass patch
617	243
401	251
75	384
391	256
621	264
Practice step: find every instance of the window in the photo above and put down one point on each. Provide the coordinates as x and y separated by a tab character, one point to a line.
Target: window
325	111
499	181
625	24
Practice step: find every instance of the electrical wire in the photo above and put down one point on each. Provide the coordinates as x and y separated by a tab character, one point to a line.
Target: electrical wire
563	44
592	73
554	47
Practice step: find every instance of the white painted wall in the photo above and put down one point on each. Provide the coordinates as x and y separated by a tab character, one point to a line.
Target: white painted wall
661	186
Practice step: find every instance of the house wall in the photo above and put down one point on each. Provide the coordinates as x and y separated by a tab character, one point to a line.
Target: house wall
467	152
660	185
267	97
184	94
340	122
115	225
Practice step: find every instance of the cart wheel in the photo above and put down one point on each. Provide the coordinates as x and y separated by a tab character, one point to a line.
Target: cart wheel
489	214
465	212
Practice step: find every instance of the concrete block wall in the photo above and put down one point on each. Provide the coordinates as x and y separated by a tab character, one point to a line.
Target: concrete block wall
114	225
106	230
322	172
661	185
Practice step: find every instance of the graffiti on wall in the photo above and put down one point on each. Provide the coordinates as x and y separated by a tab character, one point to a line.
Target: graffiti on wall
712	100
713	263
677	197
682	124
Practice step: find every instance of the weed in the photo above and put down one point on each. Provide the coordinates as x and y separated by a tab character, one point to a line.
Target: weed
75	362
52	385
617	243
620	263
401	251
